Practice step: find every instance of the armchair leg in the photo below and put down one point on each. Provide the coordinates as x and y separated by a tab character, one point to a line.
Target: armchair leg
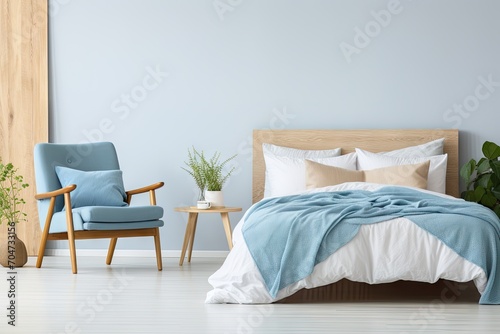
41	250
111	250
71	233
45	233
158	250
72	251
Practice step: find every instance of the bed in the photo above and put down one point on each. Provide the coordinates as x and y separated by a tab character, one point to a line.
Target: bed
381	259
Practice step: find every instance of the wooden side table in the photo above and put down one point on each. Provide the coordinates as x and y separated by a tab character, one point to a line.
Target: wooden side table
191	226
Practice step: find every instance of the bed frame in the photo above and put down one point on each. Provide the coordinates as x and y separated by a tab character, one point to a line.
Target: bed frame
374	141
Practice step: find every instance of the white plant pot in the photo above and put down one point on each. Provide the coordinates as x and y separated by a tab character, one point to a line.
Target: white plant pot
214	197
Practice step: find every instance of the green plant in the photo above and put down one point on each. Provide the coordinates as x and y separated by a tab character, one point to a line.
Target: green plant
213	172
483	178
11	202
195	169
207	173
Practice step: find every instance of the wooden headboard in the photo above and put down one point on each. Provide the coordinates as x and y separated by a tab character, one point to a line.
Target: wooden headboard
348	140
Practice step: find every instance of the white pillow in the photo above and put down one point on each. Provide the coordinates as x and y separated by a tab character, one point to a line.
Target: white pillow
428	149
271	151
287	176
283	151
436	180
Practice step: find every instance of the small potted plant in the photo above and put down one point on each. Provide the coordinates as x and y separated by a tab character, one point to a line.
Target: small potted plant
209	175
13	253
195	169
483	178
215	178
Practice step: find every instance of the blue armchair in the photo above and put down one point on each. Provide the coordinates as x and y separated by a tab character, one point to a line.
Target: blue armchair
80	195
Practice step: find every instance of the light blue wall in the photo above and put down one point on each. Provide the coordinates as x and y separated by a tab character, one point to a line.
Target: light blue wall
226	67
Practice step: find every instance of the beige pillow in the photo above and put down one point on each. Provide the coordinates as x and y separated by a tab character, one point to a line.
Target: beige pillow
319	175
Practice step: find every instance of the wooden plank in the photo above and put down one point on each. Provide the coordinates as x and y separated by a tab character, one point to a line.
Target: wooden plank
348	140
24	99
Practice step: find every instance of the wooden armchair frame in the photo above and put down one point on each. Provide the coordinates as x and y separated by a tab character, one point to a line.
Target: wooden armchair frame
71	235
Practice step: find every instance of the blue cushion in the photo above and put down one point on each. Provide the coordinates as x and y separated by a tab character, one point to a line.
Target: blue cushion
113	218
93	188
58	223
82	215
112	215
91	226
109	218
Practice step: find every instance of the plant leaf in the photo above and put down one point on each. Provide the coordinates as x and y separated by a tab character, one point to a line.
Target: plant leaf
478	193
466	195
488	200
497	210
470	196
495	166
484	181
10	201
467	170
491	150
495	179
496	191
483	165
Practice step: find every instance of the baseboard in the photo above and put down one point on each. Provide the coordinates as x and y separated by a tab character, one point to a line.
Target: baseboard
134	253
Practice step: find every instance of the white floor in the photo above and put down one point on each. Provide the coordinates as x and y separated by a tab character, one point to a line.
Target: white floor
131	296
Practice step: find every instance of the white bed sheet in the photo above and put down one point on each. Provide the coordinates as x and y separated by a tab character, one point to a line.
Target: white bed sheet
393	250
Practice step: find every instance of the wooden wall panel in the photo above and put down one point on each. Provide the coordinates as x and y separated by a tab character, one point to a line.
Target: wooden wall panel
23	98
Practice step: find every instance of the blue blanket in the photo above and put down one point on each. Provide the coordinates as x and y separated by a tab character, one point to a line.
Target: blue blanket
287	236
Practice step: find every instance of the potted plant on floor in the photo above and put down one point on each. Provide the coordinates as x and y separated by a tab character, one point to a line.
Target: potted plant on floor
12	251
209	175
483	178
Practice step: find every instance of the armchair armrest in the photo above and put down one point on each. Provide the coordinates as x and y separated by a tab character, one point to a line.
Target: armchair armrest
57	192
151	189
145	189
50	212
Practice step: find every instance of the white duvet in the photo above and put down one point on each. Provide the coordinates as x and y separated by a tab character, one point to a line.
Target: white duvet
393	250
